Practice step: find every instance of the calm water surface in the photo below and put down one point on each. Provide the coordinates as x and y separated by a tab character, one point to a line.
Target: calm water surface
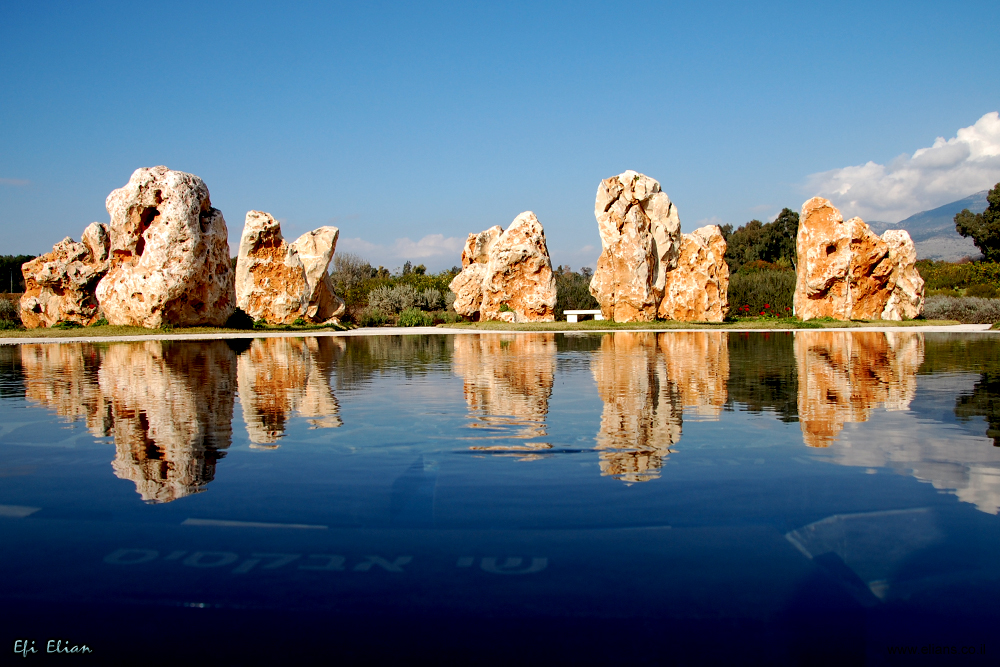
811	497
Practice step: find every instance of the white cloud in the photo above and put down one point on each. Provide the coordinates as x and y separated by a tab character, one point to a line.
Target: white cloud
949	170
435	250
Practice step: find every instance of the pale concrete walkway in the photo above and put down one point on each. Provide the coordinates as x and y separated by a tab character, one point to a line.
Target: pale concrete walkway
423	331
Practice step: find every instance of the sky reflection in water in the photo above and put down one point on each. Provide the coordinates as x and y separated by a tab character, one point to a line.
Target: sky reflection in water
837	445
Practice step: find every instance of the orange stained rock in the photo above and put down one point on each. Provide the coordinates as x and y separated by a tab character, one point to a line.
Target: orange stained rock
60	285
845	271
640	240
507	274
845	375
697	290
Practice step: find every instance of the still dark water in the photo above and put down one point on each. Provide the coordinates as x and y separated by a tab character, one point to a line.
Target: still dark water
679	498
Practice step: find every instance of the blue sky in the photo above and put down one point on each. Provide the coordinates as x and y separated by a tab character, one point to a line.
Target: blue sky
410	125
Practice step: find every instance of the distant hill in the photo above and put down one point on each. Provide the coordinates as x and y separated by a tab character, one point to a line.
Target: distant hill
933	231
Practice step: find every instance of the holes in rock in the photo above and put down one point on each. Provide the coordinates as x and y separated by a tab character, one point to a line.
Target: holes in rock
830	249
146	218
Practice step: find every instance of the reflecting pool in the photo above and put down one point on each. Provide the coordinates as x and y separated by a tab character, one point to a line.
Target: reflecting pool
816	497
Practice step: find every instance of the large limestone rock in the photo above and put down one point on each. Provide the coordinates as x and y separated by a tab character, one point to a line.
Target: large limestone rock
697	290
60	285
468	285
847	272
279	282
169	254
507	275
640	236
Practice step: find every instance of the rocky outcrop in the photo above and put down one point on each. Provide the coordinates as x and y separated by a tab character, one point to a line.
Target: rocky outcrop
507	275
847	272
279	282
507	382
697	290
60	286
468	285
640	236
844	376
906	300
169	254
283	377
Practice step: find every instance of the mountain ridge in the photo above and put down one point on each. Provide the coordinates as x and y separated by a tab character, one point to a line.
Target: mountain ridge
933	231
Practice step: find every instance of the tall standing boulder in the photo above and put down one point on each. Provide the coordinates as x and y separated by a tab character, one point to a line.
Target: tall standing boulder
468	285
279	282
169	254
847	272
640	237
697	289
60	286
515	283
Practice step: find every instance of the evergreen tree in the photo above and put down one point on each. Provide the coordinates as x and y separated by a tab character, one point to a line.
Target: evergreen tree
984	228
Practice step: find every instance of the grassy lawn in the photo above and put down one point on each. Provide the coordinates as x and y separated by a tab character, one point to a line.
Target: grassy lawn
743	323
109	331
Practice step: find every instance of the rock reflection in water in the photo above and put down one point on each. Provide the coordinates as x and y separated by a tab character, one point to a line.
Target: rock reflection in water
646	380
169	406
63	378
844	375
172	413
508	380
282	376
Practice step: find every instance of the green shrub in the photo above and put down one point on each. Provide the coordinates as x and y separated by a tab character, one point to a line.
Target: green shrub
949	275
394	299
573	290
67	325
761	292
414	317
982	291
299	322
7	325
99	323
504	308
968	310
372	317
431	299
10	310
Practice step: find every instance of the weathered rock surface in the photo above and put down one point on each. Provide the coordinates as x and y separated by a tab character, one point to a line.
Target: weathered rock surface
640	236
468	285
60	286
279	282
697	290
847	272
169	254
507	269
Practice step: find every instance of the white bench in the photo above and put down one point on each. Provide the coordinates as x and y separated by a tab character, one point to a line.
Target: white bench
572	315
